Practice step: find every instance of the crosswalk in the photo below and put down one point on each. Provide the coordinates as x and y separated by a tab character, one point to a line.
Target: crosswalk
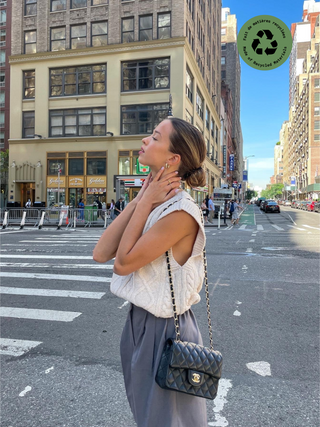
270	227
52	286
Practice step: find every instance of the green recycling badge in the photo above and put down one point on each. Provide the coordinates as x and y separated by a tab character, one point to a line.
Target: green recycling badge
264	42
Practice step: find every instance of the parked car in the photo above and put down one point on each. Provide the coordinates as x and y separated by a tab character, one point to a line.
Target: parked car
258	202
264	204
293	203
317	207
310	206
272	207
287	203
303	206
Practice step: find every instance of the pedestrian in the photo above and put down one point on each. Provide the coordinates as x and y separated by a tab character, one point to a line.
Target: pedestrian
211	210
161	218
205	211
112	206
118	207
99	205
81	209
235	211
28	204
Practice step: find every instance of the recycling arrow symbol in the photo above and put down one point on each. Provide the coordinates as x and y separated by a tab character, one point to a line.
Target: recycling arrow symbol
256	42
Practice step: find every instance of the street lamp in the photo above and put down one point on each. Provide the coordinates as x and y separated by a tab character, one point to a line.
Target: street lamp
247	166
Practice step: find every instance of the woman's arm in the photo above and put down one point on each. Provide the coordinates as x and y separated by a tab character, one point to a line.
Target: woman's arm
107	246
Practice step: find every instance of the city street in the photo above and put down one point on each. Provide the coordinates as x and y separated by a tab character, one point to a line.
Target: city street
61	326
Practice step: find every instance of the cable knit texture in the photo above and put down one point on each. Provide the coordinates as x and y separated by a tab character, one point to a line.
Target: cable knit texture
149	286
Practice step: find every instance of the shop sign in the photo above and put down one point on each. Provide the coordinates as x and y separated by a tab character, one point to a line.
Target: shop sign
96	181
53	181
96	190
142	168
231	162
137	182
76	181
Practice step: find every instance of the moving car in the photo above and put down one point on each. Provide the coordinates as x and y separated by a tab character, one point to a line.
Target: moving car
272	207
317	207
264	203
258	202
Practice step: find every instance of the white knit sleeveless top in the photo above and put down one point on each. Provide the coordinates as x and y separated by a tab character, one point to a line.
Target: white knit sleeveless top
149	286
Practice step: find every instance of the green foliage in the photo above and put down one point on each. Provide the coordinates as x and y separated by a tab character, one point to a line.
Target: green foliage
273	192
250	194
278	143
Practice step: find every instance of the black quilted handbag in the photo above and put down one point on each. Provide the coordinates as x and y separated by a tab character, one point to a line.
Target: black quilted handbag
187	367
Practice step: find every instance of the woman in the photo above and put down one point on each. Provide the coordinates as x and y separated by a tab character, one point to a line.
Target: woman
205	211
112	206
161	218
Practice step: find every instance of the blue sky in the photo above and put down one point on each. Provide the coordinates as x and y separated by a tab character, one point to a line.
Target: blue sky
264	94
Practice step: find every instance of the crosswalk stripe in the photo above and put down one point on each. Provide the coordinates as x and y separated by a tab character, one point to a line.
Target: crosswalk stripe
297	228
309	226
277	227
12	347
38	314
67	237
59	241
46	256
60	266
77	278
242	227
41	246
260	227
50	293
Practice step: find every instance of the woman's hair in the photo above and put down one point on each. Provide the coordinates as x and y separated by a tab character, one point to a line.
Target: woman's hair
187	141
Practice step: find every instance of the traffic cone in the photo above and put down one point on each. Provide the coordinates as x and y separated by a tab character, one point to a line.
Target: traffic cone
67	220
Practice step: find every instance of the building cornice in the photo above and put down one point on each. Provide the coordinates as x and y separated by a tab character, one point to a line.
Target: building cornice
89	51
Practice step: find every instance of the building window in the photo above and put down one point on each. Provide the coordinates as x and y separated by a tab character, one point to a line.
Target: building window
2	58
97	2
223	74
207	118
78	36
212	128
189	118
317	137
317	111
76	167
2	99
54	165
2	77
200	104
29	84
223	31
145	28
3	17
57	5
76	4
2	117
316	83
30	41
28	124
223	60
142	119
3	37
146	75
78	122
83	80
223	46
30	7
164	25
189	84
317	125
317	97
58	38
127	32
96	166
99	33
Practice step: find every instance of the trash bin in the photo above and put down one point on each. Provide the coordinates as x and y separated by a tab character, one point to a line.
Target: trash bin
39	205
90	213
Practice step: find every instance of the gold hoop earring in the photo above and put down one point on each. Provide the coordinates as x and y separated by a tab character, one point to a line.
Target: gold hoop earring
167	166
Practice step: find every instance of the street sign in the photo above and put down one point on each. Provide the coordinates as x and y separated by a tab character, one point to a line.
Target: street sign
293	180
231	162
245	176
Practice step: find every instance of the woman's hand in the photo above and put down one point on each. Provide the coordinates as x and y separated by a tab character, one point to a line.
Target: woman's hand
160	190
143	188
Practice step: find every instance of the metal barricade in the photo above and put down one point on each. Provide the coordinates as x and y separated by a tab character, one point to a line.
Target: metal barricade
31	218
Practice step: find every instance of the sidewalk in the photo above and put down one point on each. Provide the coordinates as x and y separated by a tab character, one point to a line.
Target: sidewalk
215	223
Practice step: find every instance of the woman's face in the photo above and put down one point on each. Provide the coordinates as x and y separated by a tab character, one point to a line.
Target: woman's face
155	149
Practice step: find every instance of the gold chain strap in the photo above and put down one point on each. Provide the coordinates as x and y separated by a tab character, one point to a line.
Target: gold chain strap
175	315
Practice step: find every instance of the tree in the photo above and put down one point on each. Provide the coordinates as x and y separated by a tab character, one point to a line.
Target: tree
250	194
4	169
273	192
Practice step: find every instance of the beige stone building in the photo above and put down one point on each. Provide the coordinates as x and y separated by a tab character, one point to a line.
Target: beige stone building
91	78
304	117
284	141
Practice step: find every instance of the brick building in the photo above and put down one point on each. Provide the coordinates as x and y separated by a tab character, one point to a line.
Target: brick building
94	77
5	50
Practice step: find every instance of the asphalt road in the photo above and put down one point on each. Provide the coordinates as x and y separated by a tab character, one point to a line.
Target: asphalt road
264	289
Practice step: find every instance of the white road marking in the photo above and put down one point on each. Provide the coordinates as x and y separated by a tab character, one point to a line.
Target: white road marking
46	256
252	241
58	266
260	368
292	219
51	293
124	304
219	402
277	227
309	226
297	228
249	250
25	391
237	313
242	227
76	278
260	227
38	314
244	267
238	302
11	347
214	234
48	370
